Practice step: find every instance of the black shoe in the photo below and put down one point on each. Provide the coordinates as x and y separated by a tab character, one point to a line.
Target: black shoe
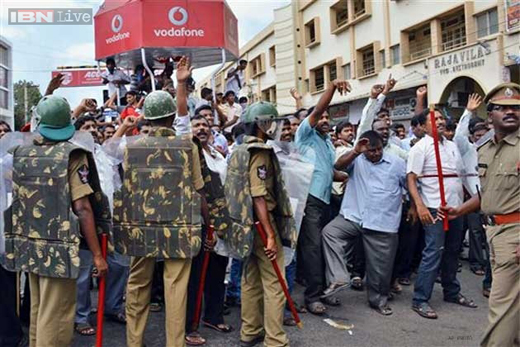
258	339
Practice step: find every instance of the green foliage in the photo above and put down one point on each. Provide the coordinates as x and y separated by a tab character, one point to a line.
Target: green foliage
33	96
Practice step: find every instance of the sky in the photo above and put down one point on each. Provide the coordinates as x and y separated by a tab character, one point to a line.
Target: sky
38	49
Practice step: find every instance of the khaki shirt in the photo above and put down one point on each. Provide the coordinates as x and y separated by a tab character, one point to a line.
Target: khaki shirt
498	167
78	176
261	176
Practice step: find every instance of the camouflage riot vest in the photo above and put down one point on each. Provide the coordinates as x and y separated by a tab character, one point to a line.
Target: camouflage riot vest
157	210
215	197
240	203
42	231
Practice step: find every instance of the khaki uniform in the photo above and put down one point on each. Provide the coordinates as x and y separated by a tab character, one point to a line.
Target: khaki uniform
263	300
499	165
176	277
53	300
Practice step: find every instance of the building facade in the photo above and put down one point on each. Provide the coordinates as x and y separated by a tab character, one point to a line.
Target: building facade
6	82
454	47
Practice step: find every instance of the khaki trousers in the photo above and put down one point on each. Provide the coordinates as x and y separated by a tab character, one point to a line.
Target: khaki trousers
176	276
504	301
53	306
263	299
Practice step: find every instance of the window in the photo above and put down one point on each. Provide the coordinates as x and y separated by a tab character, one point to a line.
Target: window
382	58
333	71
420	42
269	95
395	54
272	56
317	79
3	77
487	23
257	65
359	8
368	61
4	99
4	57
453	31
347	71
312	32
339	14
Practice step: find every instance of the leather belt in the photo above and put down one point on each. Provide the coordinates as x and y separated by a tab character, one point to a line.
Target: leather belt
511	218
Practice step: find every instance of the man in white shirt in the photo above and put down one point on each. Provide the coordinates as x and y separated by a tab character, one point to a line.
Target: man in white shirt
232	110
116	80
441	248
236	77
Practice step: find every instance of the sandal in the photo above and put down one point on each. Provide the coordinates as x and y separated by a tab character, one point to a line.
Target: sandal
331	301
84	329
222	328
289	321
384	310
463	301
396	288
155	307
356	283
118	318
486	292
404	281
300	308
478	272
425	310
194	339
316	308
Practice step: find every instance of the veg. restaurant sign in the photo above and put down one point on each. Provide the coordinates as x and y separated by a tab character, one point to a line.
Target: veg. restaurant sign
459	61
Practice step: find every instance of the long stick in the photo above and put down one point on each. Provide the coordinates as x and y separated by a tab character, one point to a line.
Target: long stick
439	165
202	282
18	292
263	236
101	296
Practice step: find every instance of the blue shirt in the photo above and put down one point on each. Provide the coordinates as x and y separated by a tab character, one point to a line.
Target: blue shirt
317	149
374	193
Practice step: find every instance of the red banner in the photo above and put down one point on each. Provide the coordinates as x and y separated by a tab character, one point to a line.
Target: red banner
80	78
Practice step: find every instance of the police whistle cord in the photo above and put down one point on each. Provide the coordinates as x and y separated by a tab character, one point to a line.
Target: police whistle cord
205	263
447	175
281	279
440	175
101	296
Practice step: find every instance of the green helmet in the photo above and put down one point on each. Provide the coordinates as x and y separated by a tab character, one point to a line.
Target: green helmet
159	104
55	118
260	111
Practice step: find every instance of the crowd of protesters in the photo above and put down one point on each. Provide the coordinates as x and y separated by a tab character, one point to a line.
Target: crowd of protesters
371	219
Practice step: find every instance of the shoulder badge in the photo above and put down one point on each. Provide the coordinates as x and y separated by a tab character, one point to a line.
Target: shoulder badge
261	172
83	174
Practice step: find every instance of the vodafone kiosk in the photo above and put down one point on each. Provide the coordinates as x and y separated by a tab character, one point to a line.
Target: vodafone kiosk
140	31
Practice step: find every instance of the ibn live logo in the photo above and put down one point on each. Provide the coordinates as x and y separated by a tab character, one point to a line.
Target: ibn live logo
50	16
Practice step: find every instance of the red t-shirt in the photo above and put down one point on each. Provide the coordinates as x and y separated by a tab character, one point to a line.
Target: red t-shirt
129	111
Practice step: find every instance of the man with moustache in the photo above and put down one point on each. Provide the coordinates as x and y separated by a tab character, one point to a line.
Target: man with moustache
314	143
441	248
499	166
287	134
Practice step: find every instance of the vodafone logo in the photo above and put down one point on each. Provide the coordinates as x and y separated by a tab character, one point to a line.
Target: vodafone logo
117	23
173	18
178	16
67	78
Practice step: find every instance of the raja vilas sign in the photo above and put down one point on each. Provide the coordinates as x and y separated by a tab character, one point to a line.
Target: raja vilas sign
462	60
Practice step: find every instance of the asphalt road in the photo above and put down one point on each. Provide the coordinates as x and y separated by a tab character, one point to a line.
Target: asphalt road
456	326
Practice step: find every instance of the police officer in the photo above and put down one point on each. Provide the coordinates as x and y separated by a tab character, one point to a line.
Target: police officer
158	213
51	179
499	169
255	192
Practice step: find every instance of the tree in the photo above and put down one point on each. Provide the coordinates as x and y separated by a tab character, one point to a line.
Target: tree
33	96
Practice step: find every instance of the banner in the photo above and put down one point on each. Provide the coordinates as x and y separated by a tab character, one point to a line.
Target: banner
80	78
512	15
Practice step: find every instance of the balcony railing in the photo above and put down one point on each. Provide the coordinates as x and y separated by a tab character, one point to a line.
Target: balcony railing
423	53
455	43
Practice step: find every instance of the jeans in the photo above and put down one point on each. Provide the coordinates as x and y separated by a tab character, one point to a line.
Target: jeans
478	257
233	289
115	286
440	252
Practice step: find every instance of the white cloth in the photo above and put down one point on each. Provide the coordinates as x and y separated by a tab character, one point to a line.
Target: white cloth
392	148
116	76
468	152
231	112
421	161
337	187
216	163
369	114
232	82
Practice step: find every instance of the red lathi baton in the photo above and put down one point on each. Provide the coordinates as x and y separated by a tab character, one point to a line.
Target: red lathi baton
101	296
202	282
439	165
263	236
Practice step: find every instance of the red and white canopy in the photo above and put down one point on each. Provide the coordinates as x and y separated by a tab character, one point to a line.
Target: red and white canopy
200	29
